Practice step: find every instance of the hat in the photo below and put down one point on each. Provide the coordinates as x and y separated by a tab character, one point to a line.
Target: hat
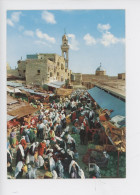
44	141
51	150
50	154
68	150
59	161
62	151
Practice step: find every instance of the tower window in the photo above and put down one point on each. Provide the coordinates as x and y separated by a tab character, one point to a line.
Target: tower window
50	74
38	71
57	73
24	71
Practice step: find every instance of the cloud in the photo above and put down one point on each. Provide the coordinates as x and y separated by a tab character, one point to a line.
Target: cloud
48	17
103	27
9	22
15	17
89	39
108	39
21	28
40	42
29	33
73	42
44	36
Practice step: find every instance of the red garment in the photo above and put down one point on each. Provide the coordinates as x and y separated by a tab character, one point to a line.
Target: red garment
81	118
87	128
73	116
23	143
21	130
41	148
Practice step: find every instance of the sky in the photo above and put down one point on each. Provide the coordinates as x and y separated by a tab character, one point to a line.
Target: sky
94	36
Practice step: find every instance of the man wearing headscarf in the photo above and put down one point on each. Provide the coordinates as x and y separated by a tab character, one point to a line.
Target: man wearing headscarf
73	170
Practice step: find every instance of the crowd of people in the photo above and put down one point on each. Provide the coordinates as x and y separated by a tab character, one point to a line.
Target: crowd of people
46	143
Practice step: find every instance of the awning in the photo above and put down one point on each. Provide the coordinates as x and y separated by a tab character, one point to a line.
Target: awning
9	90
52	85
9	117
55	84
32	91
16	90
108	101
12	84
23	111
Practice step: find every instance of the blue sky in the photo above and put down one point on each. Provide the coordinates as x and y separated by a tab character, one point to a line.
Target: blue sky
94	36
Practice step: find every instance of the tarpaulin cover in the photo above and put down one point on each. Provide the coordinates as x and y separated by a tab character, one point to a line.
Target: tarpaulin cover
108	101
55	84
9	117
32	91
23	111
12	84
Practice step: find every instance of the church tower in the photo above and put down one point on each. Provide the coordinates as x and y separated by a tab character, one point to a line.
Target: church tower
65	49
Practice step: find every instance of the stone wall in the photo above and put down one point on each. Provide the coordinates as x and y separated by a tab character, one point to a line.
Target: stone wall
77	79
36	72
100	73
121	76
22	68
13	72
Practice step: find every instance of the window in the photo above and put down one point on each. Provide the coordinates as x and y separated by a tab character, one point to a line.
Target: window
38	71
57	73
65	70
50	74
62	66
24	71
58	63
68	74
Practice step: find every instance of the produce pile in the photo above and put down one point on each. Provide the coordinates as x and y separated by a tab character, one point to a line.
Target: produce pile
111	169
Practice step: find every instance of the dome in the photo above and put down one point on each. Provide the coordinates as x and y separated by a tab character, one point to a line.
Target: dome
100	68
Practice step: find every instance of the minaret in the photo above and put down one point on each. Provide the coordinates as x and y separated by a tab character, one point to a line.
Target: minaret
65	49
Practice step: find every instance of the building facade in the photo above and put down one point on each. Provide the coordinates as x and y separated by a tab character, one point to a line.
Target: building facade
40	69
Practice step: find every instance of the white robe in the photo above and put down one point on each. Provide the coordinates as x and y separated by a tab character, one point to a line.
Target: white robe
52	164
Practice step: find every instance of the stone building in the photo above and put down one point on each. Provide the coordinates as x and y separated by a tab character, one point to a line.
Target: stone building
100	71
40	69
76	79
121	76
88	80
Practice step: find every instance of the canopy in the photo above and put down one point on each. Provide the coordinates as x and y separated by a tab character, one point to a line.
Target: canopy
32	91
16	90
9	117
13	84
23	111
55	84
108	101
9	90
